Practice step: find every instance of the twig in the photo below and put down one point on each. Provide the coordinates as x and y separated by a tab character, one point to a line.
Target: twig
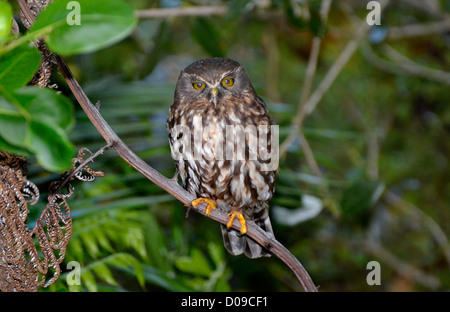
435	229
308	82
416	30
171	186
183	11
70	176
402	268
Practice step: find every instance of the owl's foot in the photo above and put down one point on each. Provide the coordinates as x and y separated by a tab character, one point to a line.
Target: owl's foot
232	215
201	200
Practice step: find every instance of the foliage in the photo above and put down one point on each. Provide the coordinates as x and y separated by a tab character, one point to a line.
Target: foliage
376	132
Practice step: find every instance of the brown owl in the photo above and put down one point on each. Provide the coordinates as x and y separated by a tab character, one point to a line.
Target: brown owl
220	136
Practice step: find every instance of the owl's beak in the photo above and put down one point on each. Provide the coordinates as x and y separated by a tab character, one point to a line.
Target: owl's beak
214	93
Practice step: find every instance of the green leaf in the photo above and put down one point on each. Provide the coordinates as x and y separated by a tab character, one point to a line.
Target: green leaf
292	18
47	106
208	35
52	147
128	263
101	24
5	21
216	253
18	66
161	279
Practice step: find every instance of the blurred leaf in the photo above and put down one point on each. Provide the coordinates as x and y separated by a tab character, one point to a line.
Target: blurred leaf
31	121
196	263
161	279
14	129
160	41
236	8
102	23
311	207
47	106
209	36
51	146
155	243
292	17
88	280
127	262
316	27
18	66
4	145
104	273
216	253
90	244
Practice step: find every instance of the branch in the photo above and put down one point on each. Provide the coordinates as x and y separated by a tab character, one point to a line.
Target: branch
169	185
183	11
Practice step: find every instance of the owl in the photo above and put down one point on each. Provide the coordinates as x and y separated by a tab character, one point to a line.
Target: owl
219	129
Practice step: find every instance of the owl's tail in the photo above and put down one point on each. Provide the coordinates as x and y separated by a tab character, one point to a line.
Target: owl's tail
237	243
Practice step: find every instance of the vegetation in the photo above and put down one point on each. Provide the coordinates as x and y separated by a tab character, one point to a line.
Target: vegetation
364	166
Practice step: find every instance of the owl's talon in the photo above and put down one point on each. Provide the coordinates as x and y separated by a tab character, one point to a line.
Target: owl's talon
232	215
201	200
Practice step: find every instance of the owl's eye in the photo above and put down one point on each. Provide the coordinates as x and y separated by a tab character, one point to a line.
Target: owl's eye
228	82
198	85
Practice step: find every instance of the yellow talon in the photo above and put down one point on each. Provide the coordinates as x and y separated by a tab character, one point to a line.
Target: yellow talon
201	200
232	216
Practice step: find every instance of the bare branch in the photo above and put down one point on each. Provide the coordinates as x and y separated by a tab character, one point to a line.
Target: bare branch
403	66
416	30
170	185
309	106
182	11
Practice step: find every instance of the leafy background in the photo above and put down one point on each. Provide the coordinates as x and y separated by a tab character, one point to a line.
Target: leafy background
379	136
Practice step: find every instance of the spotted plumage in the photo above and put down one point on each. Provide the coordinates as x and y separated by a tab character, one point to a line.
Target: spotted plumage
215	128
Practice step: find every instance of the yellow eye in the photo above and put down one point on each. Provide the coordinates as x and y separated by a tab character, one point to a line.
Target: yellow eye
198	85
228	82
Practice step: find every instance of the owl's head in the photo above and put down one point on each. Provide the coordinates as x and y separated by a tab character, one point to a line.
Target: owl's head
212	79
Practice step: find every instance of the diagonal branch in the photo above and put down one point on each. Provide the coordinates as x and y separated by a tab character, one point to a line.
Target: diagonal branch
169	185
